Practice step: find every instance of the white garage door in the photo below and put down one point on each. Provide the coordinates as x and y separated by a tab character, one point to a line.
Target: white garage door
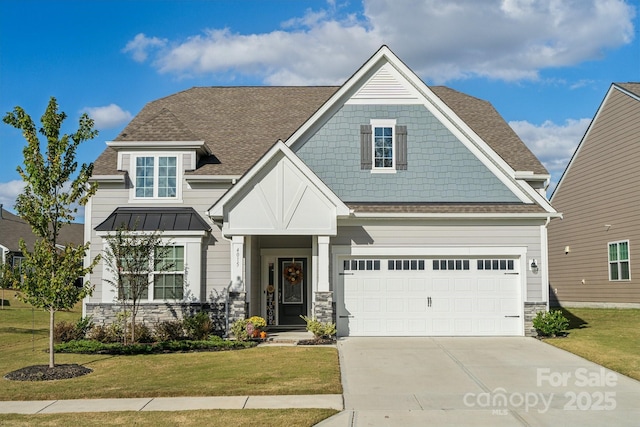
429	297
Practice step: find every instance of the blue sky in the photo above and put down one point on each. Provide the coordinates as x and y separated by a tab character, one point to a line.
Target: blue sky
545	65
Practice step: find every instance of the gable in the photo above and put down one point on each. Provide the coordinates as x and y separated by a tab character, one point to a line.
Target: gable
442	158
440	167
608	149
279	195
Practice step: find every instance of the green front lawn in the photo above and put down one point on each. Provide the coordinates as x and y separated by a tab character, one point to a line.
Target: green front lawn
256	371
609	337
236	418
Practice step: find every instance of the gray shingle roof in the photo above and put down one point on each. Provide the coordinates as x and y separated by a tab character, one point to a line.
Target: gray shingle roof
444	208
13	228
631	87
480	116
239	124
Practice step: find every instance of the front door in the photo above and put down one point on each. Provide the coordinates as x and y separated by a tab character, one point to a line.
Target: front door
292	290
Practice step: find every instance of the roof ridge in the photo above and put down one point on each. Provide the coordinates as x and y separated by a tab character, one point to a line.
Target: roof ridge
176	123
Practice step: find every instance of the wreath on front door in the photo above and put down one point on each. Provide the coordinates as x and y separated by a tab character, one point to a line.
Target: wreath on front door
293	273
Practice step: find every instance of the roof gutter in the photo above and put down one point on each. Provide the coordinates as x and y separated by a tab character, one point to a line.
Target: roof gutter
416	215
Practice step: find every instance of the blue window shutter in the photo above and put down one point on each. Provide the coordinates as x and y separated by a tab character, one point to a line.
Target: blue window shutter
401	147
365	147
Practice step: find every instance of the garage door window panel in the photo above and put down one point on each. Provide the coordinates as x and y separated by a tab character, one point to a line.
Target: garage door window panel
405	264
496	264
451	264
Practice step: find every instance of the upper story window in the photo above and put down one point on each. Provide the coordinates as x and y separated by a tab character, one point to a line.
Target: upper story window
156	177
619	261
383	146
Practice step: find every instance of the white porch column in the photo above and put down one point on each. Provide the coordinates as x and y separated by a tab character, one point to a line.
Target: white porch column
323	264
237	263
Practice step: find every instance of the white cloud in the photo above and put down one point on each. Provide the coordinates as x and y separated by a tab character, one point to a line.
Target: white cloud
553	144
9	192
441	40
109	116
141	46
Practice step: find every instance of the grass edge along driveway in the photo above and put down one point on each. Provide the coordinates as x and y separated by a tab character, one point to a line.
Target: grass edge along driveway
607	336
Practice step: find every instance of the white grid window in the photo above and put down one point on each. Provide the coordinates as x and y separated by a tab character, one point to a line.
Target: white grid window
156	177
619	268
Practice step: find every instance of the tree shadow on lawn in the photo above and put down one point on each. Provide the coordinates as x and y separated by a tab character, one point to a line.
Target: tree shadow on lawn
575	322
14	330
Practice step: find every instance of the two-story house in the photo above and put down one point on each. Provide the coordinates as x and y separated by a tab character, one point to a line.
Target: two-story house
386	205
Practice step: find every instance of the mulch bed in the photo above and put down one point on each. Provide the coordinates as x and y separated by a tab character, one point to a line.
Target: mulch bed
45	373
321	341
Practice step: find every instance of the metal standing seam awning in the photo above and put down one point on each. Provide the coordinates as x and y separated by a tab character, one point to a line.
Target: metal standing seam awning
154	218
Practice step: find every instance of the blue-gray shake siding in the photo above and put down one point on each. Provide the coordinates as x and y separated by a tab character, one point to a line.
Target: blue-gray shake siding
440	167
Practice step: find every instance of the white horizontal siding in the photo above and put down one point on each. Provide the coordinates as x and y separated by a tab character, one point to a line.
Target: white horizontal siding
215	272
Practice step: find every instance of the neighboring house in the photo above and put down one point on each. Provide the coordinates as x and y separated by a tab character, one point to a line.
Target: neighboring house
592	249
388	206
13	228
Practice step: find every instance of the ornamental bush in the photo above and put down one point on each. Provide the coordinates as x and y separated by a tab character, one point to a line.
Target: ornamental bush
67	331
550	323
94	347
239	329
199	326
168	330
320	330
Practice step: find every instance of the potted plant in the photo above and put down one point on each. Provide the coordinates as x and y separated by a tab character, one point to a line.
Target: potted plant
255	326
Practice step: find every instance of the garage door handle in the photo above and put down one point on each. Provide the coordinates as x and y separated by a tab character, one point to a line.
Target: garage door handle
511	316
344	317
346	274
512	274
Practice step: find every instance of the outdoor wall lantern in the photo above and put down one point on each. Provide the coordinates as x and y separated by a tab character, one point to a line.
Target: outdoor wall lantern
534	265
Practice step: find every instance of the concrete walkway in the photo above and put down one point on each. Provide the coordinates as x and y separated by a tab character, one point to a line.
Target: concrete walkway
323	401
511	381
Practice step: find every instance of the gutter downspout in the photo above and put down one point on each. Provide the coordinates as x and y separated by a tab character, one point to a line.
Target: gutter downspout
545	259
232	283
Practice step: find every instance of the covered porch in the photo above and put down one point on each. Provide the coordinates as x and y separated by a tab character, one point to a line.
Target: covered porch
279	219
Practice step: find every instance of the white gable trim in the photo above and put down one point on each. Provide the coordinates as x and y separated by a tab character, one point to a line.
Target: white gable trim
274	159
145	145
394	68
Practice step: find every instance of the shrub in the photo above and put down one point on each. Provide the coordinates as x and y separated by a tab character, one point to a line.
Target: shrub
65	331
94	347
550	323
106	333
83	326
239	329
144	334
199	326
169	330
320	330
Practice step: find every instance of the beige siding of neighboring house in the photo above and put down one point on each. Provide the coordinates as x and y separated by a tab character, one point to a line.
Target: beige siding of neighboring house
215	274
599	197
463	235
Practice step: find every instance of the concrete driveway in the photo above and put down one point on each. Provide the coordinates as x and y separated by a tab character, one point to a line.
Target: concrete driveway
478	382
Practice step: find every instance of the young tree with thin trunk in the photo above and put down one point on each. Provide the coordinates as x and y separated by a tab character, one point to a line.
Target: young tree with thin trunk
53	191
132	257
